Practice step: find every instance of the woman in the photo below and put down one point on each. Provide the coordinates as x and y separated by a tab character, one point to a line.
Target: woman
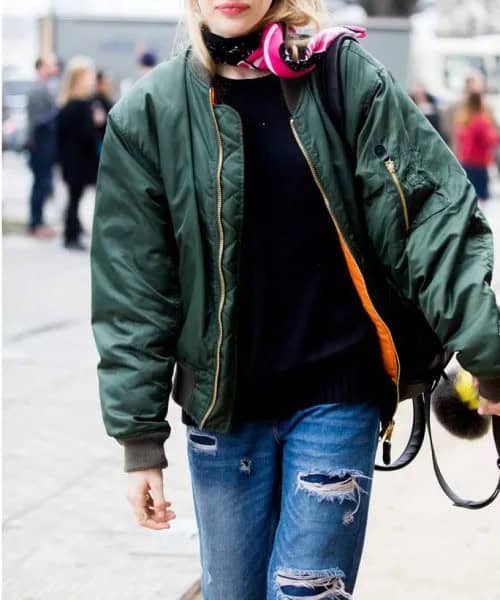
427	103
476	137
291	275
78	138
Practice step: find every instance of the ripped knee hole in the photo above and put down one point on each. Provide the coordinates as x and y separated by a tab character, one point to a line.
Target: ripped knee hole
313	585
334	486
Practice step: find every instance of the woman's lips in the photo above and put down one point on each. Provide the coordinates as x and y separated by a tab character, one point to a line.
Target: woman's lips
232	10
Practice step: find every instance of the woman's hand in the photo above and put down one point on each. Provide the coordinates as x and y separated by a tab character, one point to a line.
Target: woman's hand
488	408
145	494
99	116
485	406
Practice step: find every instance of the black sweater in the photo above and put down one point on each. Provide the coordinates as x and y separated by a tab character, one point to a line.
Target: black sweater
301	325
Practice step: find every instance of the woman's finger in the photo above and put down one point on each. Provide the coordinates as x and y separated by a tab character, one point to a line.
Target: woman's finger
483	408
153	511
149	518
150	523
160	505
145	516
138	499
488	408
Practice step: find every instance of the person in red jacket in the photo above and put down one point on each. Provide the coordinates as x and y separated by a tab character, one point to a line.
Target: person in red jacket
476	137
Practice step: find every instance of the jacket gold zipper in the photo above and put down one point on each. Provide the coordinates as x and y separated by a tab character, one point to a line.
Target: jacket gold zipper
390	166
221	274
387	432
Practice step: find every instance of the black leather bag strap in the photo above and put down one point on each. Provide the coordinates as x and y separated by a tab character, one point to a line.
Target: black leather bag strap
457	501
331	85
415	441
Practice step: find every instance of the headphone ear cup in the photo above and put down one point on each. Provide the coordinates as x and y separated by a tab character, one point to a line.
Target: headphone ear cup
454	414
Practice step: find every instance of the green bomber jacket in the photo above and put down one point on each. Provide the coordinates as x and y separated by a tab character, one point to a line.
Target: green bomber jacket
167	230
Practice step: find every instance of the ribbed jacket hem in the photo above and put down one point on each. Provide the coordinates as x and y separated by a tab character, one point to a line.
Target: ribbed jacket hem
143	453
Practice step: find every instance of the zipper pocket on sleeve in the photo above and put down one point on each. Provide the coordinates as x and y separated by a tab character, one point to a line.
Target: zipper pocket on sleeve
391	168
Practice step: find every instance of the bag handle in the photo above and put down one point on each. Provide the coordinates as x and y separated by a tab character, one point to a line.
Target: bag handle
415	441
457	501
421	421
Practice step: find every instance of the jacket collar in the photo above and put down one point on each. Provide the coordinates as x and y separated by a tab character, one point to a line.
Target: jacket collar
196	67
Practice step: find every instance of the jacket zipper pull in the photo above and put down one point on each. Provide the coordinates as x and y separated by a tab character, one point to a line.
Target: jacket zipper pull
391	168
386	446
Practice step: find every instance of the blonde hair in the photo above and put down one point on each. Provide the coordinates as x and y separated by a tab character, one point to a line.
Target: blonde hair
299	13
71	86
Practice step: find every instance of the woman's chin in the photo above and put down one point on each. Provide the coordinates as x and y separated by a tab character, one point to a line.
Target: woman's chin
232	28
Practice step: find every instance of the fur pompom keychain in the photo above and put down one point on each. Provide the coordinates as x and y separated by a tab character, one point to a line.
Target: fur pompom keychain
455	402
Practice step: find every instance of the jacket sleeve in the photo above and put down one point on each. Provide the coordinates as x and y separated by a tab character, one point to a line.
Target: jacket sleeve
135	299
430	235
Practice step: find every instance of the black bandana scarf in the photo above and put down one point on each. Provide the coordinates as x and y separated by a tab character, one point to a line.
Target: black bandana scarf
230	51
267	49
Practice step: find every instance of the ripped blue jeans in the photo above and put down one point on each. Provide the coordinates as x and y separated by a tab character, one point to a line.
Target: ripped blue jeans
282	505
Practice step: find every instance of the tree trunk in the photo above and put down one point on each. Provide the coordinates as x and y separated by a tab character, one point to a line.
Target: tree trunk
389	8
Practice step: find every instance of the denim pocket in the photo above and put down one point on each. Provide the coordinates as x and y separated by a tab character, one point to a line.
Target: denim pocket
201	441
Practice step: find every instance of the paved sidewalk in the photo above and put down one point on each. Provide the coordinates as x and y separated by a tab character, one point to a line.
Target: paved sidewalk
69	532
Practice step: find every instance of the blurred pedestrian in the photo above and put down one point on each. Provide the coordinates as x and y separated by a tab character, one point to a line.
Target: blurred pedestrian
474	82
102	101
42	143
476	137
147	61
79	125
427	103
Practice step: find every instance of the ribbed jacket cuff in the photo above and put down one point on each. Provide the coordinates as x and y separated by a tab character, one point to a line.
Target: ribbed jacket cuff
143	453
490	389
